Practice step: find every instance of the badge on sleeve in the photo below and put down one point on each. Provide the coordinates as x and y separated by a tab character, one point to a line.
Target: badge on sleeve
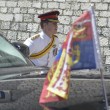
55	51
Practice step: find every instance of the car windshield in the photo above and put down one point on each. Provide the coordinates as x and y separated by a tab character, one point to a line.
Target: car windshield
9	56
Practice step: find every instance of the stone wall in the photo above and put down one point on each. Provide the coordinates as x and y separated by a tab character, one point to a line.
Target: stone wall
18	19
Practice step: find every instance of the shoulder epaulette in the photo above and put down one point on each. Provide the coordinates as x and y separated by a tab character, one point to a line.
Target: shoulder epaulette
35	36
55	36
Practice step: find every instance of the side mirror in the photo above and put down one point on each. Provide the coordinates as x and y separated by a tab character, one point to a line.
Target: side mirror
22	48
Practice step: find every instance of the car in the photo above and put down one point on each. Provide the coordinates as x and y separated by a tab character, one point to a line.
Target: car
21	82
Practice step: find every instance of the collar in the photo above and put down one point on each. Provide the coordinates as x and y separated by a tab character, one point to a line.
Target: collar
44	36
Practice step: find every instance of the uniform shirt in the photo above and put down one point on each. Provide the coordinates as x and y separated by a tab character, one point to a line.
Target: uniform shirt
38	44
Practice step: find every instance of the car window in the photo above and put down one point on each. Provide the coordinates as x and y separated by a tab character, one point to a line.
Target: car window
9	56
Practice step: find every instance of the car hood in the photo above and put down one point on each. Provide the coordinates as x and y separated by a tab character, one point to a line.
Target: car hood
20	72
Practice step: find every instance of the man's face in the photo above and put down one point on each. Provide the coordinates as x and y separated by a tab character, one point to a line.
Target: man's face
52	27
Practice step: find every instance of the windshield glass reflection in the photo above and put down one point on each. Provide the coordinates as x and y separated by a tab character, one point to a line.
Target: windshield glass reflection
9	56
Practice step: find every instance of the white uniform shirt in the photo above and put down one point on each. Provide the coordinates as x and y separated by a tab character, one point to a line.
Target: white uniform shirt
38	45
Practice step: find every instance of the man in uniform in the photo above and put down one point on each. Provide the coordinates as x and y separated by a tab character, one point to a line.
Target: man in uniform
43	46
